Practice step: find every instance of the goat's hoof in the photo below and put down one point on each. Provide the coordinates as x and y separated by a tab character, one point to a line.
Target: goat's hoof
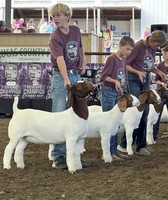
7	167
131	153
20	166
53	165
72	171
108	160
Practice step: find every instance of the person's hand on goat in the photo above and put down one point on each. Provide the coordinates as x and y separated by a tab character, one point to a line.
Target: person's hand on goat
141	76
67	83
118	86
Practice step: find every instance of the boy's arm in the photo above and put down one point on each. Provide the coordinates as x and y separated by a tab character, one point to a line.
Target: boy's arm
116	82
63	70
82	54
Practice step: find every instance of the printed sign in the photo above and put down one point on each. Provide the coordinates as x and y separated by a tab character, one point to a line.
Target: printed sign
26	80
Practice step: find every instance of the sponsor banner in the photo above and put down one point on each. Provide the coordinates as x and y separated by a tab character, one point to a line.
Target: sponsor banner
25	79
33	79
22	57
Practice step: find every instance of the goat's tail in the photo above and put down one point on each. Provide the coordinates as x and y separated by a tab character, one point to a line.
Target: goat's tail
15	103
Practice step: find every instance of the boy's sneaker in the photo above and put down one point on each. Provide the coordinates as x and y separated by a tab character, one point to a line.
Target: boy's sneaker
60	162
117	158
120	148
143	152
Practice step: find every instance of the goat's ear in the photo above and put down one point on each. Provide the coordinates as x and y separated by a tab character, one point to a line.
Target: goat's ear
122	103
143	96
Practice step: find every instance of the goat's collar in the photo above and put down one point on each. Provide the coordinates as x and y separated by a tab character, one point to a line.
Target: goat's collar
81	98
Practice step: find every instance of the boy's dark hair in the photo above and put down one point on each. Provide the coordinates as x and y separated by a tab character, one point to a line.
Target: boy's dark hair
127	40
165	49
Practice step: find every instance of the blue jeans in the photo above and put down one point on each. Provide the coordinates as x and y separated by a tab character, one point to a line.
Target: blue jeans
139	134
109	98
58	94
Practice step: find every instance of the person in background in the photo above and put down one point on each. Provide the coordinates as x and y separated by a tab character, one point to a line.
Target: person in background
163	66
139	64
68	61
114	77
75	23
22	23
3	28
107	45
31	26
42	26
13	24
51	27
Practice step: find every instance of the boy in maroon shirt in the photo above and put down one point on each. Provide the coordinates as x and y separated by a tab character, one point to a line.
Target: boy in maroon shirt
163	66
115	78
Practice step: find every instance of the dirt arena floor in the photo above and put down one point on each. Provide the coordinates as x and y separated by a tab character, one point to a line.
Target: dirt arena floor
137	177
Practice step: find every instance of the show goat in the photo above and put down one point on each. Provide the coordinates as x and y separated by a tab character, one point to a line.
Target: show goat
105	124
154	112
132	116
43	127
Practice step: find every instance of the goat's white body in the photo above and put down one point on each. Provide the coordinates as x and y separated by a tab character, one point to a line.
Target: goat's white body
164	116
130	121
95	108
104	125
151	120
43	127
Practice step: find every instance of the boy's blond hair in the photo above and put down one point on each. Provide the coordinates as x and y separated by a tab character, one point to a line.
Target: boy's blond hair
60	8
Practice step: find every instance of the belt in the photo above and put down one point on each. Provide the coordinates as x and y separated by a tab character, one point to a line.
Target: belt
72	71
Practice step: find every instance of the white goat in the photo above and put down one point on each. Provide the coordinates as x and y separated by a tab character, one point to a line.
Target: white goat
43	127
154	112
132	116
92	108
105	124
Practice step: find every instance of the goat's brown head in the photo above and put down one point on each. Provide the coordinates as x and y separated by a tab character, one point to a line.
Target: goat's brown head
150	97
127	100
80	89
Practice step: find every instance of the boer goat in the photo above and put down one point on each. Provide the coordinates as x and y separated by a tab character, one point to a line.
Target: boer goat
154	112
105	124
132	116
43	127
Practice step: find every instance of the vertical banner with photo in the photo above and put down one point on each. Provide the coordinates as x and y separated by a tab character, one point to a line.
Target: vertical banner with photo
25	79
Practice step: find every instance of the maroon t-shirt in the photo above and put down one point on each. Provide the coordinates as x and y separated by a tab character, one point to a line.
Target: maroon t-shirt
136	58
66	45
161	66
116	69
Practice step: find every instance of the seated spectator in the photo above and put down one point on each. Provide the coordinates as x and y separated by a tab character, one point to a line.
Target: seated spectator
13	24
51	27
19	27
3	28
21	20
42	26
31	26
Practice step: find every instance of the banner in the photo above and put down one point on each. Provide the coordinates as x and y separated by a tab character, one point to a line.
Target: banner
26	80
24	57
